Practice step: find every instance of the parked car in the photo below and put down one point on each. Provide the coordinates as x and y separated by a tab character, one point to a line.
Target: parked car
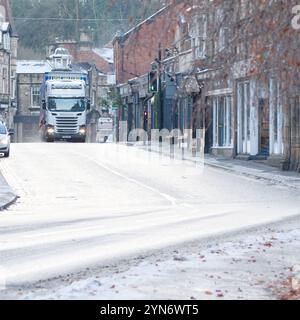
5	140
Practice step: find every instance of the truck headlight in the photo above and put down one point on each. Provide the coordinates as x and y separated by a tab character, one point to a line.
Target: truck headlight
82	130
50	130
4	141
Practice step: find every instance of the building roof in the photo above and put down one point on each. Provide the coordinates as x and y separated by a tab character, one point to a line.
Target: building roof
43	66
5	26
82	67
105	53
149	19
33	66
9	17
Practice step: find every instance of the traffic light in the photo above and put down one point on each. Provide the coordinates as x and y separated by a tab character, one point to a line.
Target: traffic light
145	120
153	81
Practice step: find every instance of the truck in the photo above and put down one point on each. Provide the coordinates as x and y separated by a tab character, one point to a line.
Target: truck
64	102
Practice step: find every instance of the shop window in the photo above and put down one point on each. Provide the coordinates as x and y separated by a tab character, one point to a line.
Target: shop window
222	106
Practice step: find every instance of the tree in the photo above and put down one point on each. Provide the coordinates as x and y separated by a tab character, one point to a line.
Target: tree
41	22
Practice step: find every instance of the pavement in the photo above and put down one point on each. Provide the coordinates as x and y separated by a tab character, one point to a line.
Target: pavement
7	195
251	168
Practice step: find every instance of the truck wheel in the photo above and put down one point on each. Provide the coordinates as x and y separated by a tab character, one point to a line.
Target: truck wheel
6	154
49	139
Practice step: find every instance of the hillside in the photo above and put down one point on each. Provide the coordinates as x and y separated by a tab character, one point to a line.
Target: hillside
41	22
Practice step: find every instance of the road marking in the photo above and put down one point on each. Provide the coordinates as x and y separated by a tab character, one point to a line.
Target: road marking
169	198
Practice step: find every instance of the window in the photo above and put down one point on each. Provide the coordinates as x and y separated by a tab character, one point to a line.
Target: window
6	41
222	108
199	37
244	8
4	79
94	98
13	84
220	40
35	96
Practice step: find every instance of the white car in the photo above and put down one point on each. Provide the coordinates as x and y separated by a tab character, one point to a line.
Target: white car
4	140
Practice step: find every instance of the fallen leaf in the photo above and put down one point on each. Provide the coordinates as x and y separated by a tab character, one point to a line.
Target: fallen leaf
209	293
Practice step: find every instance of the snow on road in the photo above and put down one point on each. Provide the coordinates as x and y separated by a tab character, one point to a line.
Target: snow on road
83	205
264	264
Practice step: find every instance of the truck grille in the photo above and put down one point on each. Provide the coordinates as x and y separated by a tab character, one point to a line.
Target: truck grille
66	125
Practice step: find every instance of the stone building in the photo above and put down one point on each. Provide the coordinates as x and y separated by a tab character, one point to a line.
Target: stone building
243	51
229	67
8	56
136	49
136	52
30	76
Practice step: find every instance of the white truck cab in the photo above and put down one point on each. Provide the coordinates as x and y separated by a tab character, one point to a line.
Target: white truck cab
64	101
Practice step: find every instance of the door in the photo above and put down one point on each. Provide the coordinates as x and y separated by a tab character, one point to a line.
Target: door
130	118
264	112
244	118
208	123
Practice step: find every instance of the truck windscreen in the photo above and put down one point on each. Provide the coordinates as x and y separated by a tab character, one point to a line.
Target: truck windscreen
67	104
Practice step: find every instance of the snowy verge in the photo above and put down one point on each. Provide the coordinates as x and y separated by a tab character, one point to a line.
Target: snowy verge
7	196
261	264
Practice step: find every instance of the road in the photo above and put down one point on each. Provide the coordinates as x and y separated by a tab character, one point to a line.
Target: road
87	204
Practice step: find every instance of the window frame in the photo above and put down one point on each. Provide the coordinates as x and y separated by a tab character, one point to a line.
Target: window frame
35	87
226	133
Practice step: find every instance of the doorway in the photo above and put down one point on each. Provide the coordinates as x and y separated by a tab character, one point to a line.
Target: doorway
208	125
244	118
264	112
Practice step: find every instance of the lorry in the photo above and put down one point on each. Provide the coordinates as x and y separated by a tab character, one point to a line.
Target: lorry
64	101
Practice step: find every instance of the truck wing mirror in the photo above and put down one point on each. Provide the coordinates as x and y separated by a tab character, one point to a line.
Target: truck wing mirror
44	105
11	132
88	104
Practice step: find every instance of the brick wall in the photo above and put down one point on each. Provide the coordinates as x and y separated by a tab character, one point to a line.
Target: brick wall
138	48
93	58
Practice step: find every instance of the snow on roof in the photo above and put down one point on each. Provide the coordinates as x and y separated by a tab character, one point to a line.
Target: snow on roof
33	66
105	53
5	26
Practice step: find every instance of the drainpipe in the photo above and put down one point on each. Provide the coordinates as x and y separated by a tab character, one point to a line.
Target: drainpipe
160	87
9	88
290	138
287	162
